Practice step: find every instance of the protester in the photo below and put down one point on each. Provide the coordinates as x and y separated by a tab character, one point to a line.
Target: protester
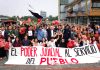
52	42
11	32
22	32
50	32
59	36
16	31
70	44
51	35
93	41
45	31
35	42
8	44
85	40
99	29
76	43
48	35
98	44
2	45
40	34
17	42
44	42
62	43
26	41
30	33
3	31
67	33
96	35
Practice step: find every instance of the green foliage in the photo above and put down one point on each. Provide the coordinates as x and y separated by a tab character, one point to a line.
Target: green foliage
13	18
51	18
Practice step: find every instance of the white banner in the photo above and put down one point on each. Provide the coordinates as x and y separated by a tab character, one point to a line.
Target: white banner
53	56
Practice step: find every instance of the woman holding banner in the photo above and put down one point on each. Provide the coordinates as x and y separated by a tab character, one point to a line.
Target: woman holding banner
17	42
8	44
2	45
98	43
35	42
26	41
70	44
44	42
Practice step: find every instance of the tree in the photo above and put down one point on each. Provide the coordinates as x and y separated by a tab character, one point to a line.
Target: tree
13	18
51	18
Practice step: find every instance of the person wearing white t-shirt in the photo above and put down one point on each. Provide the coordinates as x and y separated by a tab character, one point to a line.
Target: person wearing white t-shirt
35	42
51	43
30	33
86	42
3	31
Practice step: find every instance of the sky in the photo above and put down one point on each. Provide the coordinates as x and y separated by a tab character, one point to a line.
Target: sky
20	7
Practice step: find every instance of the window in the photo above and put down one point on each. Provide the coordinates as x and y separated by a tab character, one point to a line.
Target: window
63	15
96	5
83	0
62	9
75	8
63	1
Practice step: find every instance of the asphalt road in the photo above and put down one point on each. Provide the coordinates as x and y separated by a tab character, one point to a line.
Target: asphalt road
95	66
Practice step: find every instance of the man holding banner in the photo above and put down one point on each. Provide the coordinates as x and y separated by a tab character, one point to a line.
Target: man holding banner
53	56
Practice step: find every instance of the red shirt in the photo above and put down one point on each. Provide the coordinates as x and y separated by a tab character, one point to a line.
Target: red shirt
7	45
17	44
2	43
70	44
22	30
96	36
98	45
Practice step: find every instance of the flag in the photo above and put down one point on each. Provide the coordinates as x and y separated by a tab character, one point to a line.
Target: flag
36	15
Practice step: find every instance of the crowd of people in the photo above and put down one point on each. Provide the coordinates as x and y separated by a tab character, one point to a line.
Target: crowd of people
48	35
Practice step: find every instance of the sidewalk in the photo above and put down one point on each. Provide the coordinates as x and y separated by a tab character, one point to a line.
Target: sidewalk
95	66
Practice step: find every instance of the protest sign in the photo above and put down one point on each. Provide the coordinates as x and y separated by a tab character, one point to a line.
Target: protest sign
39	55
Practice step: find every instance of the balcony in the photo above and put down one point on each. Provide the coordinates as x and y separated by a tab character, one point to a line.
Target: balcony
72	4
95	9
95	12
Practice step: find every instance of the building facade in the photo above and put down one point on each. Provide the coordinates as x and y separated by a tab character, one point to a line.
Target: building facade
61	9
83	11
43	14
